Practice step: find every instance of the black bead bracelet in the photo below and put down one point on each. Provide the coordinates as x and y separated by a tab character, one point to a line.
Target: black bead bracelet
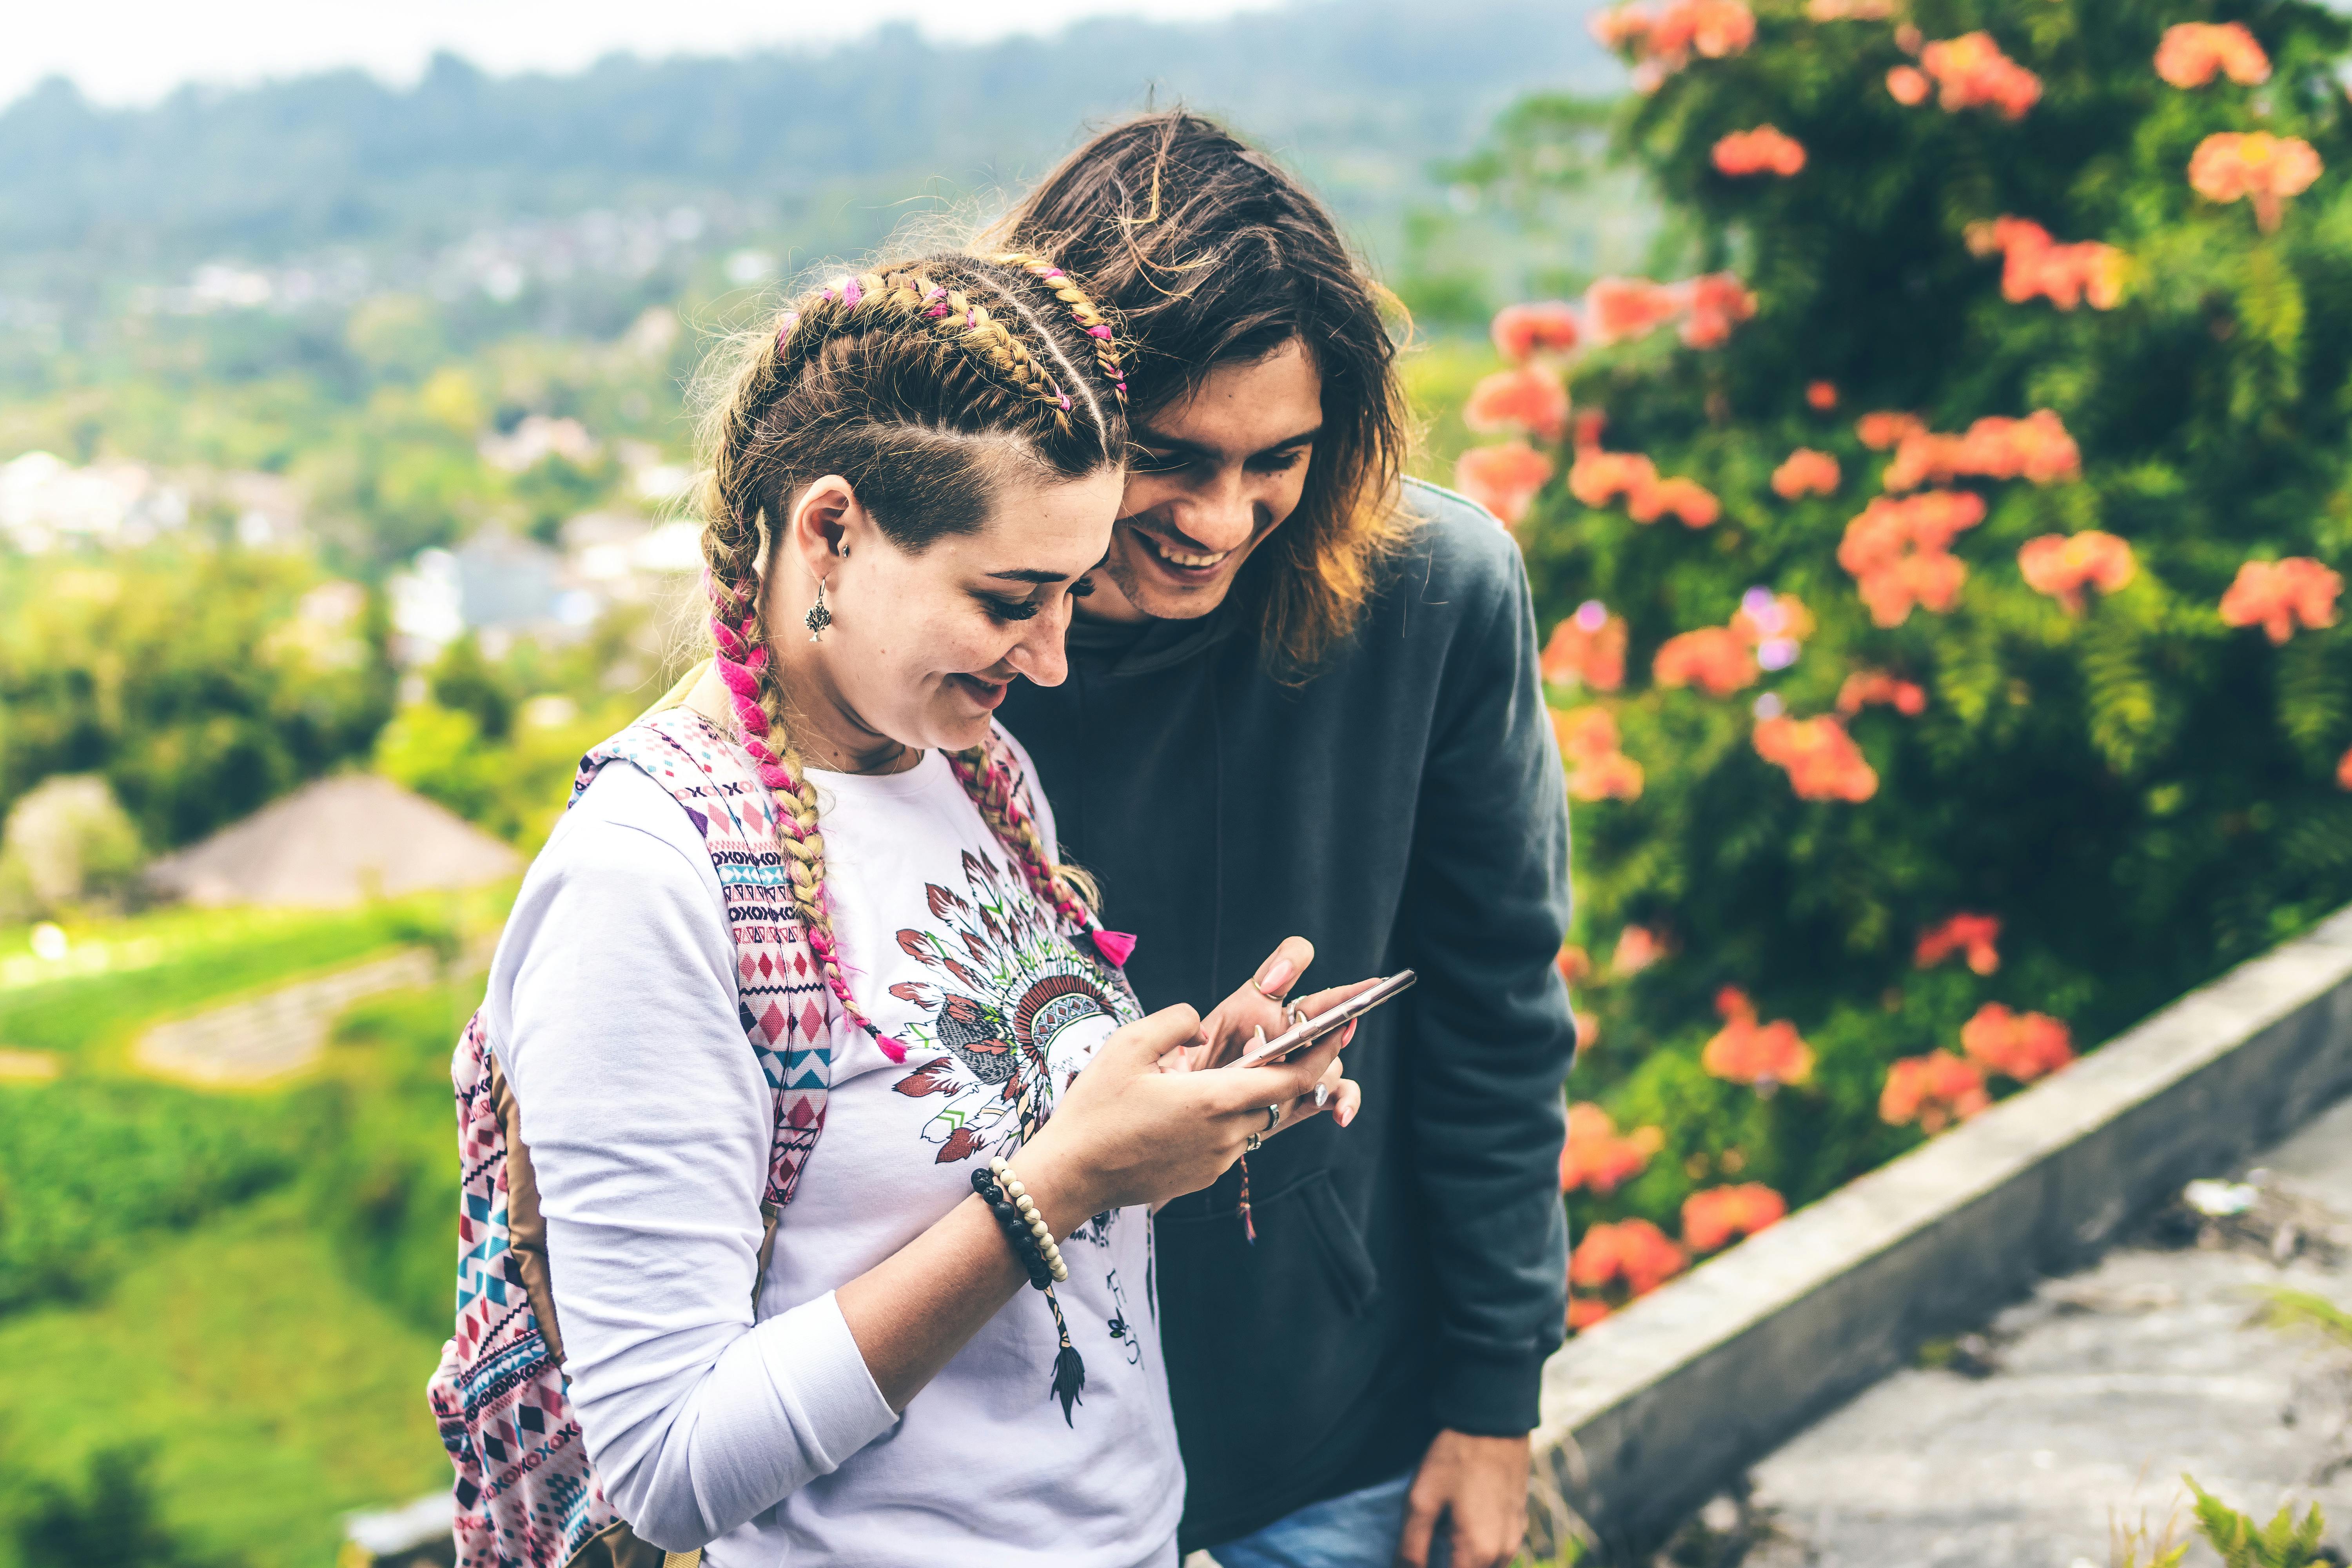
1015	1226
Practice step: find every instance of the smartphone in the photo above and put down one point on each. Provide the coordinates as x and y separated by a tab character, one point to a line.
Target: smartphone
1307	1031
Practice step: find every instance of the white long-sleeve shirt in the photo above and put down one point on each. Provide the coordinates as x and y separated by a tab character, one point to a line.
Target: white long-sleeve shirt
613	1011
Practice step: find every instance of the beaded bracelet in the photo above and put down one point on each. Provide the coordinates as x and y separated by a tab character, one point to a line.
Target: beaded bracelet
1016	1211
1016	1230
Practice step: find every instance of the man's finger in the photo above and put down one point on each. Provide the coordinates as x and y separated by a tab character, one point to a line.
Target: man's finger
1419	1524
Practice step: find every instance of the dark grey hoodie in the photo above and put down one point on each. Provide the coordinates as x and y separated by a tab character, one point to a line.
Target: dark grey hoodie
1402	808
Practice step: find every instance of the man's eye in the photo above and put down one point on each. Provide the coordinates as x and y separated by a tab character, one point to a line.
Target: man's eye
1280	463
1141	460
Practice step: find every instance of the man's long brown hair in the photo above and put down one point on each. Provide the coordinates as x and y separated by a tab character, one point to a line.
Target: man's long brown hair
1212	255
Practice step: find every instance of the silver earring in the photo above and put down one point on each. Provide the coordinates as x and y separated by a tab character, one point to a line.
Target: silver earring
818	617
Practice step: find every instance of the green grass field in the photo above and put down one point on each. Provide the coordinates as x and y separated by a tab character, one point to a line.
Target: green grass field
249	1287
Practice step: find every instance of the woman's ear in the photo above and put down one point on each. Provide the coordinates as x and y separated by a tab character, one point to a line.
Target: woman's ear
824	518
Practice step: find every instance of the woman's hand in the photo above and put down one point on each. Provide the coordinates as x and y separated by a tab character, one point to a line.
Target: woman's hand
1264	1003
1126	1132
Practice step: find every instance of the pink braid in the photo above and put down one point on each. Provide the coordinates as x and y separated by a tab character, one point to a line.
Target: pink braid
738	666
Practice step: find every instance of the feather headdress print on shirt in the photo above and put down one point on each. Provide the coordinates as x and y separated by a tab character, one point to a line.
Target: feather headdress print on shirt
1008	991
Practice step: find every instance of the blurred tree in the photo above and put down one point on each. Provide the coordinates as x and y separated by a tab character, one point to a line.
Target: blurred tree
200	683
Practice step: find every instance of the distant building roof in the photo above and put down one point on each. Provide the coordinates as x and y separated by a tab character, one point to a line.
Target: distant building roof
337	842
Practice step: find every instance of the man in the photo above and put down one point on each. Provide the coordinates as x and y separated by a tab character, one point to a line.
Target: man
1303	699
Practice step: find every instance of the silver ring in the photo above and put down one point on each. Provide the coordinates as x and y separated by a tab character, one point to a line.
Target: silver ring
1273	1116
1253	1146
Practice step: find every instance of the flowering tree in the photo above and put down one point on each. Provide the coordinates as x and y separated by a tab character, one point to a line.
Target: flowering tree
1940	560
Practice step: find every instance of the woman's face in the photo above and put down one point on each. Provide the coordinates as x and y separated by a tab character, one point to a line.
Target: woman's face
923	646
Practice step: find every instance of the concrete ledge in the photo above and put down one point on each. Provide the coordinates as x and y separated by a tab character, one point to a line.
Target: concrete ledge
1650	1414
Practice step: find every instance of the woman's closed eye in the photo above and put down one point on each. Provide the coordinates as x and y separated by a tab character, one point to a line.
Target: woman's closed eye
1001	609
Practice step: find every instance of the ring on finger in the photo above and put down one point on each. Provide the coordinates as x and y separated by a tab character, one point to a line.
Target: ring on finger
1273	997
1253	1146
1273	1116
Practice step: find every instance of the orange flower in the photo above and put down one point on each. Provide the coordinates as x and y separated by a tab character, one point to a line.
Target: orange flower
1744	1051
1883	429
2022	1046
1821	394
1763	150
1575	964
1584	733
1665	38
1633	1251
1595	1158
1638	947
1587	1030
1864	687
2192	52
1598	770
1617	310
1972	934
1587	649
2344	771
1721	1215
1717	302
2033	264
1908	85
1598	476
1973	73
2267	169
1583	1311
1823	760
1715	659
1934	1090
1520	331
1850	10
1504	480
2063	565
1899	551
1805	469
1529	398
2277	594
2036	448
1686	498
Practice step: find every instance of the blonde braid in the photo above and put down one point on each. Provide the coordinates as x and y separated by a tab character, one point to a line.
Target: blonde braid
1068	890
1098	327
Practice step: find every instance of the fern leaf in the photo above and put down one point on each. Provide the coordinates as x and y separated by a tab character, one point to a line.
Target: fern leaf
2314	698
2122	696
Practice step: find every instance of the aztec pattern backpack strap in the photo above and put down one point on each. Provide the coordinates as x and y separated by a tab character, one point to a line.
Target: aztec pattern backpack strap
527	1496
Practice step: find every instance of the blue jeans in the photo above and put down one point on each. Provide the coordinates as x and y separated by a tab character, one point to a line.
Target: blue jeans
1359	1529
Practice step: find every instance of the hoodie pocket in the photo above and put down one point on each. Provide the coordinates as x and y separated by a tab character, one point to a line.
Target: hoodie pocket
1270	1348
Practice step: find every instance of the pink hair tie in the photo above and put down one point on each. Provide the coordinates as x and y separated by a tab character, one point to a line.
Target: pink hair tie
851	293
1097	331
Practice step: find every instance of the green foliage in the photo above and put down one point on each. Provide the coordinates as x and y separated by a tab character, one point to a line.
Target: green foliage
122	974
2284	1542
190	678
2285	1308
90	1169
113	1523
2142	795
274	1390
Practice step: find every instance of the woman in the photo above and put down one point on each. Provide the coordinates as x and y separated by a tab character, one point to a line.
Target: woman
820	897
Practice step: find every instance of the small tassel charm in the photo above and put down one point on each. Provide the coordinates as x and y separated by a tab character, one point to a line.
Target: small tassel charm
1069	1366
1249	1225
818	617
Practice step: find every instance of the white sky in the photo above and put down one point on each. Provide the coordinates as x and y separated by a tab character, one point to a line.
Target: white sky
134	51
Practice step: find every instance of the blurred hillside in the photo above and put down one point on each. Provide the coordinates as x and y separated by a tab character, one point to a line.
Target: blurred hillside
324	189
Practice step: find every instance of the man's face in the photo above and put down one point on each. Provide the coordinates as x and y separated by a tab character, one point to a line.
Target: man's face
1212	476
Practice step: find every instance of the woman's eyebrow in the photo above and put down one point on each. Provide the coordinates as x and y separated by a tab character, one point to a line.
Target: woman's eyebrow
1030	574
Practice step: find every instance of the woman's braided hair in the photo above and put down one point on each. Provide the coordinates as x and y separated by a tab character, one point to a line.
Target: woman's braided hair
923	384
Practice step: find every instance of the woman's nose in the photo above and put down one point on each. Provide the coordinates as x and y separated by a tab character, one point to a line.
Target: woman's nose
1039	654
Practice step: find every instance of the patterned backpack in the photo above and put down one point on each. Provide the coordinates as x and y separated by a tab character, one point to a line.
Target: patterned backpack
527	1496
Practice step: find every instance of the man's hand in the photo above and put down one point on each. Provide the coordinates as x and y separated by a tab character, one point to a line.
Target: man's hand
1478	1486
